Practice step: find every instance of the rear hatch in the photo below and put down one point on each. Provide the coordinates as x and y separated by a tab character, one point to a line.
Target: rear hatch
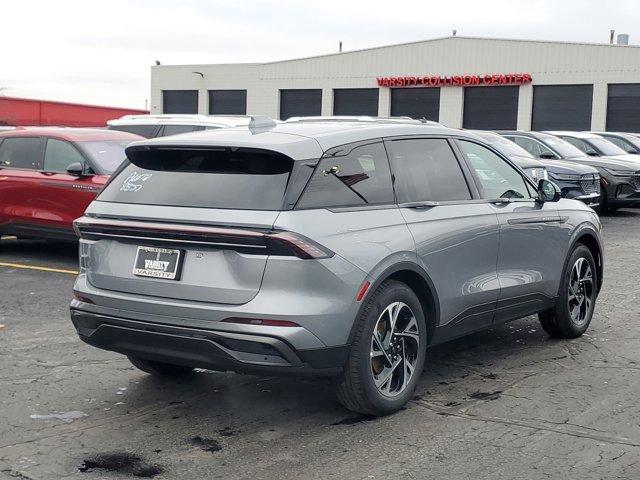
187	223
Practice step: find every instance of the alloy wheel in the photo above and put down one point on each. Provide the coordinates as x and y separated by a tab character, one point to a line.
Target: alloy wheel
395	345
580	291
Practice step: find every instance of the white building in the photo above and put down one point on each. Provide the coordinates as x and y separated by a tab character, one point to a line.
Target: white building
521	84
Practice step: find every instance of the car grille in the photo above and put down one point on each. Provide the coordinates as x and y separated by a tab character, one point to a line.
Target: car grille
590	184
635	181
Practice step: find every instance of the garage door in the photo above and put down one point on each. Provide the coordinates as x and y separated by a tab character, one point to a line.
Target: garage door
300	103
355	101
623	107
416	103
179	101
562	107
227	102
490	108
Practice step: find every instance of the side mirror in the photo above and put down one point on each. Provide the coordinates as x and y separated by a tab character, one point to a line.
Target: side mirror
548	191
548	155
591	153
76	169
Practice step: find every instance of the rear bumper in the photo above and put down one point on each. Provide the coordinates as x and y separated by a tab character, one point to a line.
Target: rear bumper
202	348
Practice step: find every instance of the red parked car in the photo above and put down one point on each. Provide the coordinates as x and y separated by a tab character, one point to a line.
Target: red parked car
49	175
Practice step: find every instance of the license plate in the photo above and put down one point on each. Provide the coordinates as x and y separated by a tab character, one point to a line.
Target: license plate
158	263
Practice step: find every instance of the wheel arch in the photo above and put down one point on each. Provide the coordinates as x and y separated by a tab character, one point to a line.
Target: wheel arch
587	236
417	279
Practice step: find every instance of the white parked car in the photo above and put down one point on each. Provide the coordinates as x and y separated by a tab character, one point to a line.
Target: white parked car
151	126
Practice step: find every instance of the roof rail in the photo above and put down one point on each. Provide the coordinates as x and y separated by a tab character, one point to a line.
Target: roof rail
356	118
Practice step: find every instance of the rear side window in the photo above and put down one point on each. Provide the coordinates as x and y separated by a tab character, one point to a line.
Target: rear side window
146	131
426	169
534	147
178	129
59	155
235	178
361	177
21	152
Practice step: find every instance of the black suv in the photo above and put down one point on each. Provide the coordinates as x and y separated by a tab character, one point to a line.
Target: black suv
619	177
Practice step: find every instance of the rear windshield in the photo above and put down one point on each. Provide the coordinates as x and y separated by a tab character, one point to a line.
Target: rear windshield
237	178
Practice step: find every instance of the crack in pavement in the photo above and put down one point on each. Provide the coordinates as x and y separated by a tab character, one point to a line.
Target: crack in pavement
538	425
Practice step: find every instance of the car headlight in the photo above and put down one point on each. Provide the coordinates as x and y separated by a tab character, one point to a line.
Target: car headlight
619	173
565	177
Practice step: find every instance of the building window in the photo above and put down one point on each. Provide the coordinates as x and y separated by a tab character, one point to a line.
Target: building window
623	107
491	108
416	103
562	107
300	103
179	101
355	101
227	102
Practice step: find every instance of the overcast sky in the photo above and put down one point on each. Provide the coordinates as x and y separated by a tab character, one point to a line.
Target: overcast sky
100	51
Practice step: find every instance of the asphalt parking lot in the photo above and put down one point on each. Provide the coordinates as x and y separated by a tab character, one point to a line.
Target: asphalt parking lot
505	403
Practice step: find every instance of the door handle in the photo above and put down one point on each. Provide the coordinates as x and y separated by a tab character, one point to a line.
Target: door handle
419	205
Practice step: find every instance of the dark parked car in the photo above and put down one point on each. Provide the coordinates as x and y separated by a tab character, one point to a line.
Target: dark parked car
49	175
619	176
578	182
341	249
628	142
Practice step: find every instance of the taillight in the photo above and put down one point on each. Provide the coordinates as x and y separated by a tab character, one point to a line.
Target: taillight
287	243
261	321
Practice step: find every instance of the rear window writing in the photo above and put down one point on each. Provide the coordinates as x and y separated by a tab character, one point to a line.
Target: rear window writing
235	178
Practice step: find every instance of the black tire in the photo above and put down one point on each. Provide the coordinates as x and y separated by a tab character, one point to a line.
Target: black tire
558	321
160	369
355	387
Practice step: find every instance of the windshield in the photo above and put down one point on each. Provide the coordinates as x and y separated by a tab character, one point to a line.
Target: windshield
562	147
107	154
605	146
504	146
238	178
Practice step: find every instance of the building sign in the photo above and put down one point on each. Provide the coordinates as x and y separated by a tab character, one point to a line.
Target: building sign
456	80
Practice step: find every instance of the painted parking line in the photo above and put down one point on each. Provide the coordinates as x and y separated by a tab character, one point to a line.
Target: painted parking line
39	268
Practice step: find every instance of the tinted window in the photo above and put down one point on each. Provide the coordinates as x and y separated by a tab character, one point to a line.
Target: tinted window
532	146
564	148
179	101
605	146
227	102
503	145
146	131
239	178
59	155
498	178
426	169
580	144
620	143
177	129
21	152
107	155
359	178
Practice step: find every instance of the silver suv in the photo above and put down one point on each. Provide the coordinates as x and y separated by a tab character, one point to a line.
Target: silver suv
326	248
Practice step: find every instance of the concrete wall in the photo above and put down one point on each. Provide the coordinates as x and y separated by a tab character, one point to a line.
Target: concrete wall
549	63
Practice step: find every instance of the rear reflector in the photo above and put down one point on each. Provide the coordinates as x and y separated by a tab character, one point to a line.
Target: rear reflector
363	291
80	298
261	321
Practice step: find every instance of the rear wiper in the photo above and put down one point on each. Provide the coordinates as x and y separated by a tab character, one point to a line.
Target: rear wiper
424	204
